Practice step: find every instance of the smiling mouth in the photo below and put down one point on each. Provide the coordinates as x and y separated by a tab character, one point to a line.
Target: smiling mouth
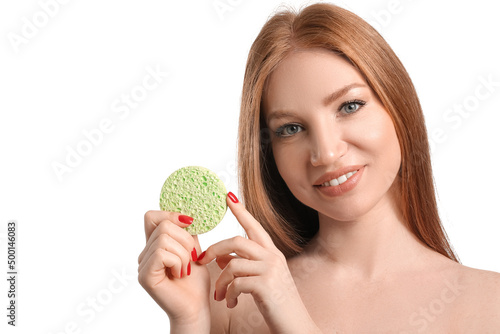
338	181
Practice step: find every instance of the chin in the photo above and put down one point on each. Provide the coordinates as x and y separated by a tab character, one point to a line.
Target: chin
344	210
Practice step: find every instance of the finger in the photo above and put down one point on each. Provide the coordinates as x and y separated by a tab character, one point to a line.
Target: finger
175	232
197	248
236	268
238	286
243	247
154	270
223	260
153	218
168	244
252	227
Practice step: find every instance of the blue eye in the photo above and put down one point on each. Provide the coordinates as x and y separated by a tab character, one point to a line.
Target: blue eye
288	130
351	107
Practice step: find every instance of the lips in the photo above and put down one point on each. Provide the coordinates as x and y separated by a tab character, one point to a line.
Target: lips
327	177
350	182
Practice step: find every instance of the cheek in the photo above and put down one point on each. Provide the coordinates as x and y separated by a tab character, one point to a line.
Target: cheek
380	139
290	162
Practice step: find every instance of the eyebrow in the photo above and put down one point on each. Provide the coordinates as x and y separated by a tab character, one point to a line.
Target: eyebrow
341	92
326	101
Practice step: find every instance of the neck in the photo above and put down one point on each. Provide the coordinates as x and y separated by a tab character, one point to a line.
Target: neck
369	247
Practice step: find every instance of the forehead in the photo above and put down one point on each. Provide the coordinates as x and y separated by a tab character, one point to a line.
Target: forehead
307	76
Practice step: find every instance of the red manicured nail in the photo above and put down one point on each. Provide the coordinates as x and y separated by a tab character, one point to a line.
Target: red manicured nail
185	219
202	255
194	256
181	273
215	294
232	197
189	268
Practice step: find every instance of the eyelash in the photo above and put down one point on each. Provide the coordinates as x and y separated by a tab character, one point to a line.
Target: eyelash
358	102
280	130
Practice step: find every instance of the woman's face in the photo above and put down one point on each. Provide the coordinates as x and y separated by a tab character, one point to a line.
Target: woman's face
325	122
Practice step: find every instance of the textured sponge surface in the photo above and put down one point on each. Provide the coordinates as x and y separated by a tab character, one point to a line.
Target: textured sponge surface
197	192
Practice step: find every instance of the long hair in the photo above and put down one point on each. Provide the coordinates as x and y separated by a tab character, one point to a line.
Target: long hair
290	223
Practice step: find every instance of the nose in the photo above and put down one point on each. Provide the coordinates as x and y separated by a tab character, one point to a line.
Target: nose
327	146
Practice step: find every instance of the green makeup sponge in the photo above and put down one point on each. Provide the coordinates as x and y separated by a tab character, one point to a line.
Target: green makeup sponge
196	192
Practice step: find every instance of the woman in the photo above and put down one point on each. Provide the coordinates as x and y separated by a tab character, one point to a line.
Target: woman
340	212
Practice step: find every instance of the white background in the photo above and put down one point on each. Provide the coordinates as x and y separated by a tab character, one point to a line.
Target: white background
77	233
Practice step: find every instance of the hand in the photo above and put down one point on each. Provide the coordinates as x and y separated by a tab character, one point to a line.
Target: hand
180	287
261	270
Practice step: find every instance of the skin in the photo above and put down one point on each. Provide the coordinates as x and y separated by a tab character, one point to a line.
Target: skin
363	272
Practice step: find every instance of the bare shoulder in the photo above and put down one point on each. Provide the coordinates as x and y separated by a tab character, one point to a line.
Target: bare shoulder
483	284
482	275
480	307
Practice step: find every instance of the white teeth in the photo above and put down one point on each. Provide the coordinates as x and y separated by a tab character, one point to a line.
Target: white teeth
342	179
339	180
334	182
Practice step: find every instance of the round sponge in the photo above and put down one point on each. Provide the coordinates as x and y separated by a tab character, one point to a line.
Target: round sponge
196	192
